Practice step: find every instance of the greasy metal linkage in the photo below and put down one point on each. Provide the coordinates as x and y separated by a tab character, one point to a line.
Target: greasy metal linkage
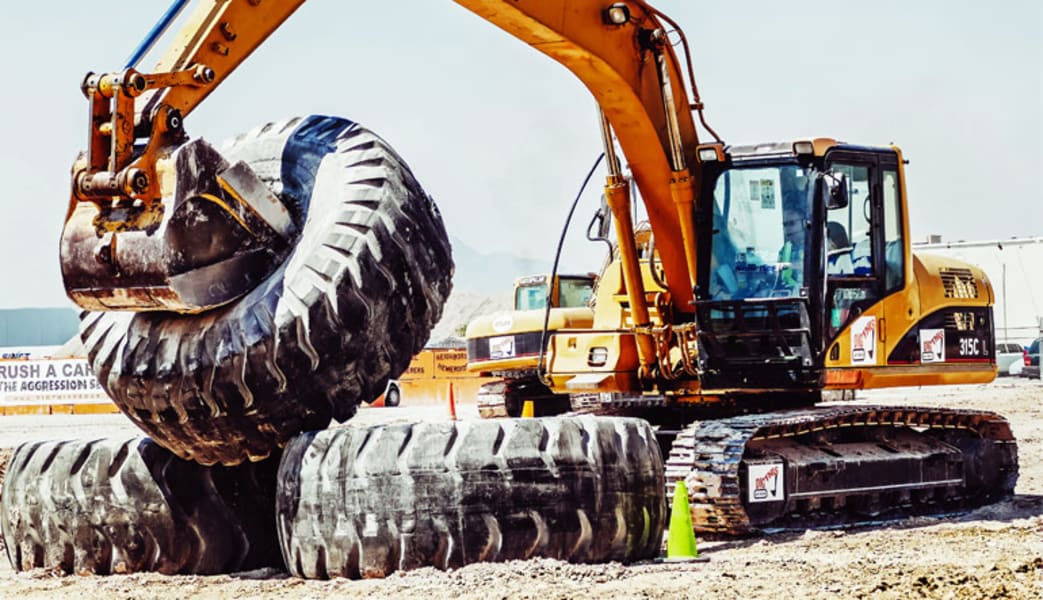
111	169
683	338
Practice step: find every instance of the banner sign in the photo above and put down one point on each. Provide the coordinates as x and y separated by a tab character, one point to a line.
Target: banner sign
437	364
66	381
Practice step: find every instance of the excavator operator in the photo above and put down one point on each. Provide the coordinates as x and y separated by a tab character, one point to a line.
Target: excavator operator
794	228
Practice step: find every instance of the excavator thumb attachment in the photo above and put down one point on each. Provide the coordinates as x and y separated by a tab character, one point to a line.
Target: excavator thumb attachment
209	242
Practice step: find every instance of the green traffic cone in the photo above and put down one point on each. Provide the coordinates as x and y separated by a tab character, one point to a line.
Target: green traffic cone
680	545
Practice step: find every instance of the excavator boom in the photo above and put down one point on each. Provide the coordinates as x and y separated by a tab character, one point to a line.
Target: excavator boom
622	53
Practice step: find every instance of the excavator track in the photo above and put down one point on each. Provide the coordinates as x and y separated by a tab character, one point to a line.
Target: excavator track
506	397
840	464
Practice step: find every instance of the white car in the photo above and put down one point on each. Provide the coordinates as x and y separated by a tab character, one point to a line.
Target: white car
1009	354
1016	367
393	394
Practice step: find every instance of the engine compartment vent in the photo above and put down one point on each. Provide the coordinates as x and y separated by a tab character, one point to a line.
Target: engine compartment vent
959	283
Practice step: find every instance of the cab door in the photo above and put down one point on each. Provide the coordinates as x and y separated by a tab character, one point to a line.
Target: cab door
865	261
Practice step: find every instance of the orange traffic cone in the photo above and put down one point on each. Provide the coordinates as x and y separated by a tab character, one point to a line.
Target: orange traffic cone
452	403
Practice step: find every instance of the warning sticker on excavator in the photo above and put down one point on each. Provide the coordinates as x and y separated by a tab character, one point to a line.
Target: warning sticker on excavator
501	347
932	345
765	482
863	341
763	190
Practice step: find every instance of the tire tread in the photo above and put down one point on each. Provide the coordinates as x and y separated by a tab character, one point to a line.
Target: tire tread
369	501
126	506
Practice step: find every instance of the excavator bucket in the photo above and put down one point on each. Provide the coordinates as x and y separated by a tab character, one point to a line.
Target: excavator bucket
212	240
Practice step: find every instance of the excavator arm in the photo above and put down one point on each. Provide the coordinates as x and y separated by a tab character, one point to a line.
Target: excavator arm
129	187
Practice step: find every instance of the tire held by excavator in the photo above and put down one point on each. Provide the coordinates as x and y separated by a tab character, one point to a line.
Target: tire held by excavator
354	299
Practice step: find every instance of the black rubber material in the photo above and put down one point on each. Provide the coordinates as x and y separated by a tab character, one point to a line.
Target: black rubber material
126	506
352	303
364	502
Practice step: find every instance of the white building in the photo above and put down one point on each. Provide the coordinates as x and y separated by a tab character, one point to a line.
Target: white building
1015	267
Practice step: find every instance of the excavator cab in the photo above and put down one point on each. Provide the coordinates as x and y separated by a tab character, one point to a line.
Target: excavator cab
806	263
761	290
510	340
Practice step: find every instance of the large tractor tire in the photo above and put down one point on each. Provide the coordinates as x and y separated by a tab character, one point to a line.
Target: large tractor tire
364	502
354	300
127	506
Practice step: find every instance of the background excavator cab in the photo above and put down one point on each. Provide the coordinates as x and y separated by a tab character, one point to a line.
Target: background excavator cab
565	291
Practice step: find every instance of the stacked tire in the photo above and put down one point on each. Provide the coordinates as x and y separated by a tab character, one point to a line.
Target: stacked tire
350	502
127	505
364	502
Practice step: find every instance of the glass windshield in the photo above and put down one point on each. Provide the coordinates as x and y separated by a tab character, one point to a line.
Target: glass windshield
530	297
575	291
761	218
572	292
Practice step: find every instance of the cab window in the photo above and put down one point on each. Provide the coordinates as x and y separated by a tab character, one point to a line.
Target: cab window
894	257
849	242
574	292
531	297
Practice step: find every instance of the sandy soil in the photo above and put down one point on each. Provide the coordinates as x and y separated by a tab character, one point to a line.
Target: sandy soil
993	552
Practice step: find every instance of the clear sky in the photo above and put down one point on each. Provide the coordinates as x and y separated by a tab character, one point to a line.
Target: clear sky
502	136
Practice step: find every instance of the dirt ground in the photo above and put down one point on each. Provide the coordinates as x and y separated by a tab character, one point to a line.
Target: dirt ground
993	552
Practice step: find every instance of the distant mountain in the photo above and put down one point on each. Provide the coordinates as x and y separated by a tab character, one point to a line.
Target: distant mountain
483	284
460	309
490	272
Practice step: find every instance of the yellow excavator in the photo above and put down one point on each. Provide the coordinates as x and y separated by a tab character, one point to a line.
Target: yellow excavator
507	344
243	294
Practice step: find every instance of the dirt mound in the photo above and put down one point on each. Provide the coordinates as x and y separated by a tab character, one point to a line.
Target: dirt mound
460	309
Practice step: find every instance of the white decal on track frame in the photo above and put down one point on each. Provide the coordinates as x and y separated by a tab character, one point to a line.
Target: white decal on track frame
765	482
863	341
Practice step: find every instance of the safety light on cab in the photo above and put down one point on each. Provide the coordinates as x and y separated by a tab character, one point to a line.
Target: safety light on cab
710	152
805	147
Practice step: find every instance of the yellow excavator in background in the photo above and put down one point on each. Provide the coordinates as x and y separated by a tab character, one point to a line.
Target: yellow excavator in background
508	344
234	305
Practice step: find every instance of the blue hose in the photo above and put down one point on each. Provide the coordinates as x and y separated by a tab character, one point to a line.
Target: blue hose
157	31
